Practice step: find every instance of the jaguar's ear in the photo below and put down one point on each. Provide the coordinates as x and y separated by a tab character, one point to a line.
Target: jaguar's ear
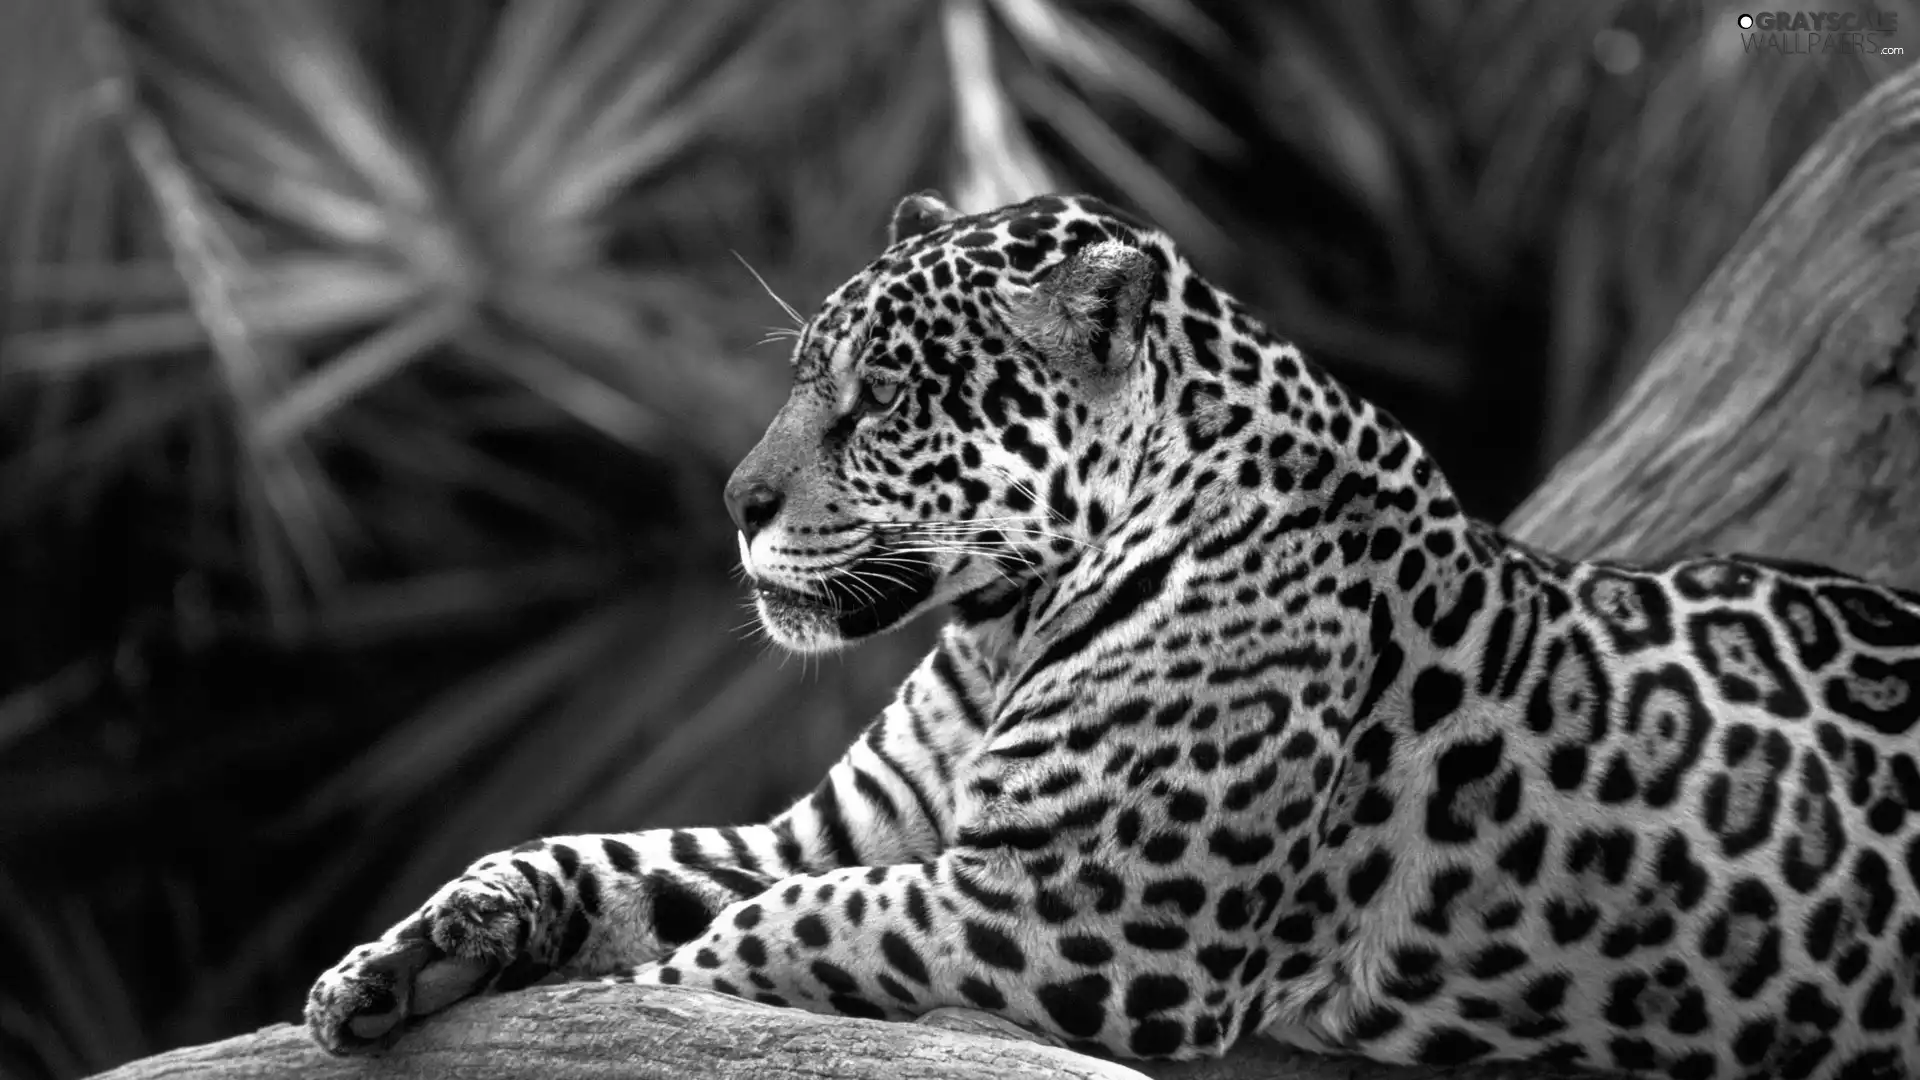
923	211
1090	307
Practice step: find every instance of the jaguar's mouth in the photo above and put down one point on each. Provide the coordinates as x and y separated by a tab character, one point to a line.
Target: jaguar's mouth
854	601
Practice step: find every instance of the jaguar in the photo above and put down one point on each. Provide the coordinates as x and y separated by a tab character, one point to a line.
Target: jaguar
1239	724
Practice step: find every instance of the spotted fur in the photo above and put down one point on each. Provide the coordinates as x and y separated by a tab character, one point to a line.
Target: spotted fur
1239	725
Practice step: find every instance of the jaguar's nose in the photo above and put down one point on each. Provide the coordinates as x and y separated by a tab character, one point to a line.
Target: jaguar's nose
752	505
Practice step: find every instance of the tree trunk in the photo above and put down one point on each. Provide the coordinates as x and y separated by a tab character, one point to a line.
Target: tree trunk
1782	416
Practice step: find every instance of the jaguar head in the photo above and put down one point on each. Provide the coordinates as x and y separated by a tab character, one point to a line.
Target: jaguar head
958	418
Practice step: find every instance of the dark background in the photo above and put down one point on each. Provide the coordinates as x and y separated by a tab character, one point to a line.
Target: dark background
370	372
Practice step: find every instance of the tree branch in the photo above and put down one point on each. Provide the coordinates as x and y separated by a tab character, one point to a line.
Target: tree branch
1782	416
602	1031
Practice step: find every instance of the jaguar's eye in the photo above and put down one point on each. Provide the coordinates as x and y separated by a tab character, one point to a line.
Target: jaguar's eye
879	395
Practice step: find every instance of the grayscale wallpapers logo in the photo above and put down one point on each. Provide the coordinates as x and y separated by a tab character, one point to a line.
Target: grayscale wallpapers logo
1819	32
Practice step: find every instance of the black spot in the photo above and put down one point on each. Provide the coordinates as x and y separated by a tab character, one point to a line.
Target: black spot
1754	1039
1623	1000
1366	878
1610	852
895	989
1449	628
1807	1004
1206	1031
1496	960
1186	806
1151	993
834	977
1873	885
1294	929
1881	1064
1567	766
589	889
1186	893
993	948
1821	927
1446	886
1164	848
1570	920
1676	869
1240	849
1112	891
1446	1045
1221	960
1088	950
1504	916
679	915
1157	937
904	957
812	931
1076	1006
1156	1038
1416	975
849	1005
916	905
1463	764
1437	693
1313	892
1233	910
1199	296
1632	1055
1413	565
623	858
982	995
1522	855
1882	1011
1545	994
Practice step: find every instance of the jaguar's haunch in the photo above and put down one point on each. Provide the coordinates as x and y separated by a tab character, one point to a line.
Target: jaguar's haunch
1239	725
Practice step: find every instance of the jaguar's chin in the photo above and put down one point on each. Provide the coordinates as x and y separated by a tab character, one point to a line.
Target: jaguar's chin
857	601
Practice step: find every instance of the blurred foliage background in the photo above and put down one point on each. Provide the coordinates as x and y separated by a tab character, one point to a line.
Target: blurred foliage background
370	372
